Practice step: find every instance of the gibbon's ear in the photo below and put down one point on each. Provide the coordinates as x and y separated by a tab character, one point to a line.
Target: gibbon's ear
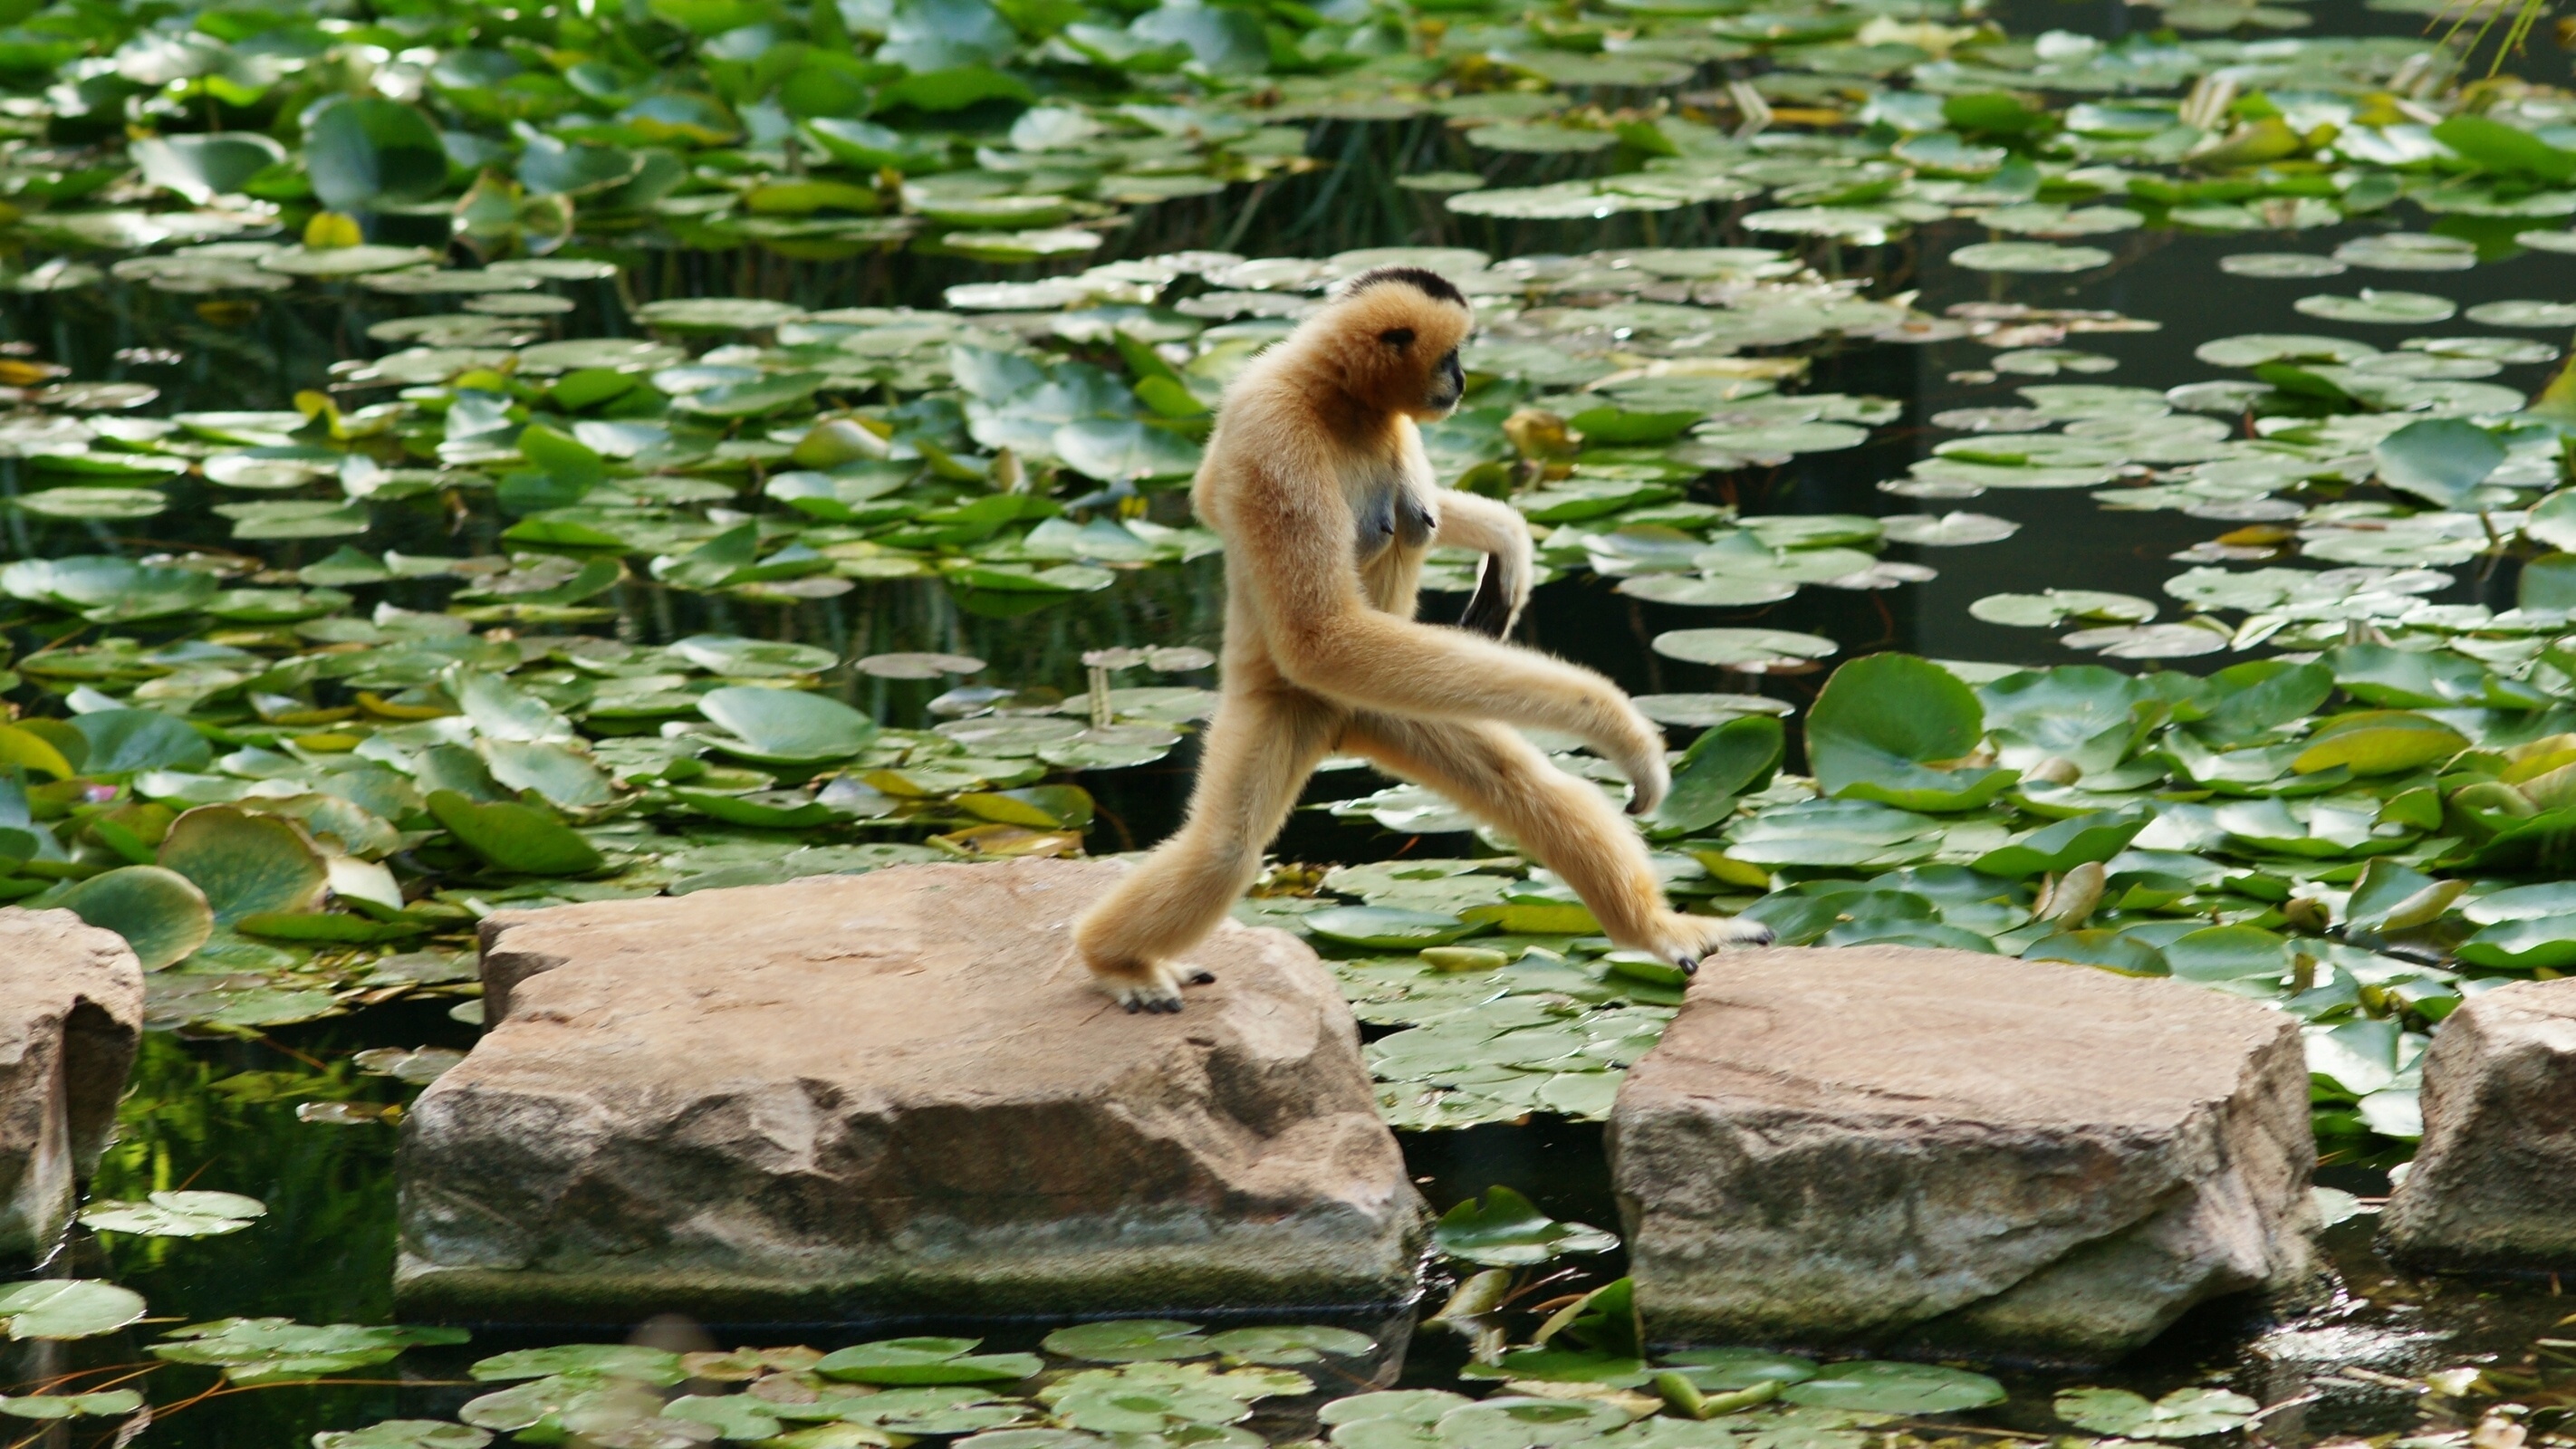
1397	337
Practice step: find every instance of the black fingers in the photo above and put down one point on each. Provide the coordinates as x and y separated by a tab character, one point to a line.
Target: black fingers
1489	610
1761	936
1636	804
1689	964
1134	1006
1202	978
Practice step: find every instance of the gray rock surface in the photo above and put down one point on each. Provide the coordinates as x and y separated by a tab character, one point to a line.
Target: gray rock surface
891	1093
71	1016
1926	1152
2494	1184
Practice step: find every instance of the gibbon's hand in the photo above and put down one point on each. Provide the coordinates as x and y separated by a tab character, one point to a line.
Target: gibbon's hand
1468	520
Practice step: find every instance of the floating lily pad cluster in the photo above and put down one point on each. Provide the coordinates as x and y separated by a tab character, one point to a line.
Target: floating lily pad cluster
2364	837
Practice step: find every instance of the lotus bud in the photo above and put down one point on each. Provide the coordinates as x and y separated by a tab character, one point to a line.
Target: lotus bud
1464	958
2306	913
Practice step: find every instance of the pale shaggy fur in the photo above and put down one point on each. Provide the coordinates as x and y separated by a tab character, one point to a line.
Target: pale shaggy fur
1316	480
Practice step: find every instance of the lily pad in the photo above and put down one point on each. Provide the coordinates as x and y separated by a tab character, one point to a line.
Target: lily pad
1506	1229
1895	1388
161	914
54	1308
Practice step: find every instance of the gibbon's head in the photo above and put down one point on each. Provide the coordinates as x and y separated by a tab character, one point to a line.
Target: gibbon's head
1394	334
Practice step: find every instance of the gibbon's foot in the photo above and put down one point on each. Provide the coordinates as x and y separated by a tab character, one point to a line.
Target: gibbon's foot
1147	986
1687	940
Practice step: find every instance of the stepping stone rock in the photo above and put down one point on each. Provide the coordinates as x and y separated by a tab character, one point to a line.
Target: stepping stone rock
887	1094
1935	1152
2494	1184
71	1017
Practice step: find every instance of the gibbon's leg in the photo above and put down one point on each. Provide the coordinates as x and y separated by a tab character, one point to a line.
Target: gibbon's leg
1376	664
1259	750
1567	823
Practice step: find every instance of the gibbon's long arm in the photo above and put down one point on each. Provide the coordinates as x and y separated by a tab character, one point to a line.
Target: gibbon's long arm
1495	529
1293	553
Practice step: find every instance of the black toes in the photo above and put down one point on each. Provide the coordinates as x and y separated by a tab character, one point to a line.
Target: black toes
1202	978
1170	1006
1689	964
1761	936
1135	1006
1636	807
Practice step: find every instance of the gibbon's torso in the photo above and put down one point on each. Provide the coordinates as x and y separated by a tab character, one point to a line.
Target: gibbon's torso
1385	479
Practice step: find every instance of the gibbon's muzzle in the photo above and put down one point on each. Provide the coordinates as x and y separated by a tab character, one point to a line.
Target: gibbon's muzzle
1452	383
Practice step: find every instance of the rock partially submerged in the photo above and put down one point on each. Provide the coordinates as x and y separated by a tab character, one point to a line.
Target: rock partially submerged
2494	1184
71	1017
855	1096
1922	1151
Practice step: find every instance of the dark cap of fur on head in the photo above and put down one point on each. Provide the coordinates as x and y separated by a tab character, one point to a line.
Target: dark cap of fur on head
1429	283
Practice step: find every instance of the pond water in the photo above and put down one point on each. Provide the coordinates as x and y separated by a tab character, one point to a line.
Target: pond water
2173	377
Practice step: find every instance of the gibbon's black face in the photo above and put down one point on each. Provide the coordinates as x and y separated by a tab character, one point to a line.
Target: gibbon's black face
1442	384
1397	331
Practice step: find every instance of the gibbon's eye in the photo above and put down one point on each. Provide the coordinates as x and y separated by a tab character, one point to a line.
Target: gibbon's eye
1397	337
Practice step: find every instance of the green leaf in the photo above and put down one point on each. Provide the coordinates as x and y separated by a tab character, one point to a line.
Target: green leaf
786	726
2065	845
279	1350
161	914
2438	460
1895	1388
926	1361
406	1434
609	1360
1881	721
55	1308
2505	150
1387	928
108	1403
514	837
1732	759
202	166
245	864
362	151
2187	1413
1129	1340
1505	1229
130	741
180	1214
1290	1344
2524	945
1726	1369
2379	742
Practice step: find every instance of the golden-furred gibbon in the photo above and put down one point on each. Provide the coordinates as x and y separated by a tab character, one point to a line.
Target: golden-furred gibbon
1316	479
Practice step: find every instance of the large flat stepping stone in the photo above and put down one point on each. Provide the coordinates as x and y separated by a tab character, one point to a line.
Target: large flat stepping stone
1934	1152
71	1018
852	1096
2494	1183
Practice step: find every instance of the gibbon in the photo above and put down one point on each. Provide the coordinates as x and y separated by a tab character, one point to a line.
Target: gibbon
1316	480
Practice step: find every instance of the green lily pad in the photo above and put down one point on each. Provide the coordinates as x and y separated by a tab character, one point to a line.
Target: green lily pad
161	914
608	1360
54	1308
1386	928
192	1213
1129	1340
1895	1388
514	837
2187	1413
245	864
786	726
1505	1229
926	1361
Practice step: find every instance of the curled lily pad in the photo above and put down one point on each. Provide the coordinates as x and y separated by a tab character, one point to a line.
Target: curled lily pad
1387	928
